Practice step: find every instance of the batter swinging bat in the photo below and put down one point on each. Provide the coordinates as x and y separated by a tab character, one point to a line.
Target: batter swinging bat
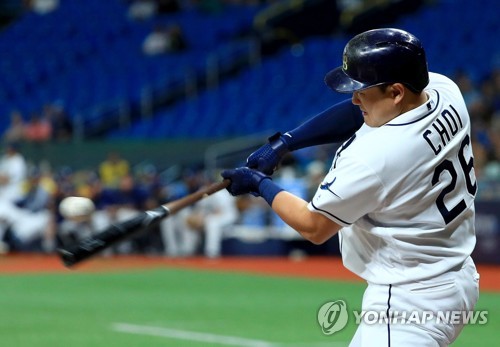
118	232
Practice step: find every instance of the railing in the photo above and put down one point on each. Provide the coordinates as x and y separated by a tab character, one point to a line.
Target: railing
121	113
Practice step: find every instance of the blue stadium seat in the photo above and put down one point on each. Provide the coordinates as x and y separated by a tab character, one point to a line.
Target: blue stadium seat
89	47
98	62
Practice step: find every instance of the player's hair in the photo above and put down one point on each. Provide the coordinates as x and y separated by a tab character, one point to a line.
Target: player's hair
383	87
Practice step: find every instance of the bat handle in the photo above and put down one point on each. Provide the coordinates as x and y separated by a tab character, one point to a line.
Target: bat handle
202	193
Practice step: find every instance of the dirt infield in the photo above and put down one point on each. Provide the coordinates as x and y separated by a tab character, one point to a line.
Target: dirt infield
328	268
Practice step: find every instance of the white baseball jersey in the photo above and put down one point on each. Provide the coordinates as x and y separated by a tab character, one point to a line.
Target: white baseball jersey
404	192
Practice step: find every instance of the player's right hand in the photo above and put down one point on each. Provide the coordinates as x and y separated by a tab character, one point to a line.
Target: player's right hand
267	158
244	181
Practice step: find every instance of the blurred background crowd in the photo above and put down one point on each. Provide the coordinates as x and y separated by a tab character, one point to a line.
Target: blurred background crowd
200	84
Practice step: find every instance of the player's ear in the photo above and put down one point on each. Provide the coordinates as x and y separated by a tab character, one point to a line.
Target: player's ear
397	91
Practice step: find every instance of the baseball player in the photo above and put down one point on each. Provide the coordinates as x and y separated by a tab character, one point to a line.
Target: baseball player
400	191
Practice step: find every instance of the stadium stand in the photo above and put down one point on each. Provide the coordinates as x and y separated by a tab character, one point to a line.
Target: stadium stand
287	87
90	59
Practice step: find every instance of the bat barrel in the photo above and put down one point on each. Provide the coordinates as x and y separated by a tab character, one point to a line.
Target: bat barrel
119	231
111	235
68	258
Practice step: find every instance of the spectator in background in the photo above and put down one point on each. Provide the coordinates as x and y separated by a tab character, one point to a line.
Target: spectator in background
150	242
179	240
210	217
252	211
164	40
42	6
290	178
146	175
466	85
25	230
487	172
15	131
86	183
142	9
113	170
121	203
477	106
40	190
495	82
13	173
36	231
127	195
483	103
488	94
493	168
315	171
201	226
38	129
62	128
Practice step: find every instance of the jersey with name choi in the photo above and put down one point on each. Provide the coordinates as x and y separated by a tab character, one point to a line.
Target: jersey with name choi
404	192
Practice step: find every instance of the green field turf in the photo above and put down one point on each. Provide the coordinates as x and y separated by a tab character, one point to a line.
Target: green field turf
173	307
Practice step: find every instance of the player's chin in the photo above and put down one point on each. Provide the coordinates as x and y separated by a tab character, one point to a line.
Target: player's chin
371	123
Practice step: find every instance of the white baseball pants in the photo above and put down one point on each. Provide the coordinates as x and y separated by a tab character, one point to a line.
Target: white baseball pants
454	291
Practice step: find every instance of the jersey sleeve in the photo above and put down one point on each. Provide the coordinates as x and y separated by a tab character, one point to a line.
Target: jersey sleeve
335	124
348	192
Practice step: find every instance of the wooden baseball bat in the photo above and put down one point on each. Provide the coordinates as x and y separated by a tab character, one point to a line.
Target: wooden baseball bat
115	233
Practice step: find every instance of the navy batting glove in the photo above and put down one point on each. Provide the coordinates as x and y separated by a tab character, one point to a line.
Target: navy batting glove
267	158
244	181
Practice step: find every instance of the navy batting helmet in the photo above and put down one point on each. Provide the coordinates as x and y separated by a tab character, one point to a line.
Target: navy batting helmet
380	56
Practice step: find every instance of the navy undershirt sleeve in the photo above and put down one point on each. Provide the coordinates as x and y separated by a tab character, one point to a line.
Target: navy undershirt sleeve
335	124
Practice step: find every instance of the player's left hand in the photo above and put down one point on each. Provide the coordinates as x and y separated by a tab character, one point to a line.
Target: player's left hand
267	158
244	181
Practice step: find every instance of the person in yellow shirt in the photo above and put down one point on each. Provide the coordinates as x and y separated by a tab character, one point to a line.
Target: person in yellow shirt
113	169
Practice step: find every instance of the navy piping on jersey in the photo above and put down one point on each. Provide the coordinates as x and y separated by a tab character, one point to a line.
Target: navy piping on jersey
389	317
330	214
341	149
417	120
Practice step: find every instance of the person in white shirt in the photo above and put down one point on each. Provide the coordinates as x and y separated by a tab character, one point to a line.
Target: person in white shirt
13	173
203	224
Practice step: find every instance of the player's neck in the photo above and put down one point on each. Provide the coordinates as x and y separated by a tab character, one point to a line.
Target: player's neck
413	101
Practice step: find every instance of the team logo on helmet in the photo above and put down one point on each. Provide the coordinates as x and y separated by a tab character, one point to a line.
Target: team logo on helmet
344	62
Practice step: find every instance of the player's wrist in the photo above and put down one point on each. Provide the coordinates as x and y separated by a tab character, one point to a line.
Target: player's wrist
268	190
